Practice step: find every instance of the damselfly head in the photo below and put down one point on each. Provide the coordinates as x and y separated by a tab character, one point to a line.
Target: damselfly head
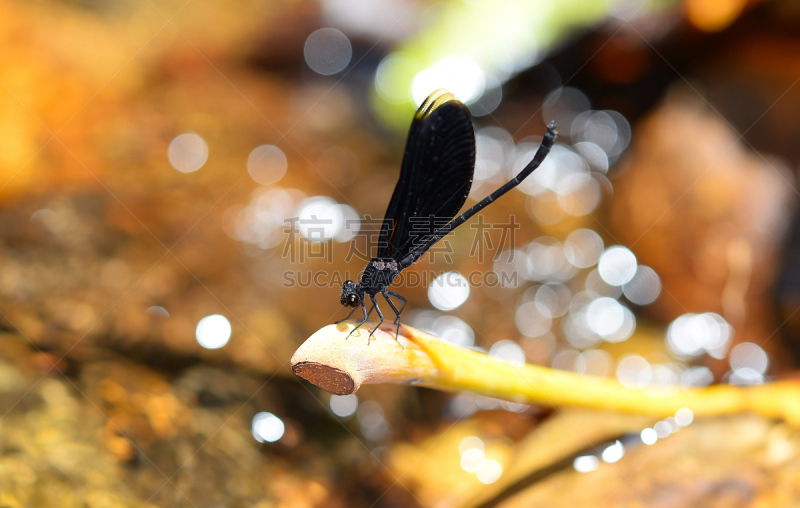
350	294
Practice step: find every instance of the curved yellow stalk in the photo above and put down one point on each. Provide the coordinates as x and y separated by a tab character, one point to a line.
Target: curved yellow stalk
341	365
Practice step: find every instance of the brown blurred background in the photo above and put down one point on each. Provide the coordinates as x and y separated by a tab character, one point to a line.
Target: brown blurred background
173	175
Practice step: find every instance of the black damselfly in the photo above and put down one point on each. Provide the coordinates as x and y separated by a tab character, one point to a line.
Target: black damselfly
435	180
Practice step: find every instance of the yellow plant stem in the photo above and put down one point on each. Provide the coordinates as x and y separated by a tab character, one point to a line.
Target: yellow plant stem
341	364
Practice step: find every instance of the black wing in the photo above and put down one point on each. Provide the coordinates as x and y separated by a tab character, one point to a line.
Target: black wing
435	177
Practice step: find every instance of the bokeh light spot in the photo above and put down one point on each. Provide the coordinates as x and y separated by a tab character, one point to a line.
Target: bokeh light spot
684	416
320	218
694	334
187	152
472	460
213	331
267	427
266	164
649	436
489	472
157	310
617	265
586	463
644	287
372	421
448	291
748	355
613	453
633	371
530	322
583	248
327	51
508	351
459	74
344	405
469	443
454	330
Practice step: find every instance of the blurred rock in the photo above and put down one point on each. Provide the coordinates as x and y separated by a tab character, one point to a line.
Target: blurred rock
751	460
707	214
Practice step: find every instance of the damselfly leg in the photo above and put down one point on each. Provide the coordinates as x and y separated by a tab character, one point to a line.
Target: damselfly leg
386	294
363	319
380	315
365	313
